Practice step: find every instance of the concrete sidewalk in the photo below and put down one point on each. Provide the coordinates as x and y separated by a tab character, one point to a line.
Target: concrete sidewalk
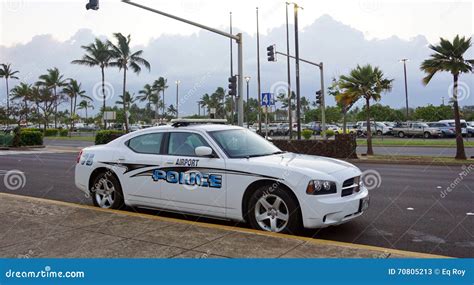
32	227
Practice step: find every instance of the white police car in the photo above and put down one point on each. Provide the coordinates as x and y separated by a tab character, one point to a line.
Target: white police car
223	171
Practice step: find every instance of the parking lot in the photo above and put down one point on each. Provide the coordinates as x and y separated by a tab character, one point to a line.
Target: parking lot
410	210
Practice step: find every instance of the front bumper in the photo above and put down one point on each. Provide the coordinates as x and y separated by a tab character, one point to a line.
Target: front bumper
320	212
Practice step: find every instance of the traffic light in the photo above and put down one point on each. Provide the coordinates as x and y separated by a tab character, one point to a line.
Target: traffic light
271	53
93	4
319	97
233	85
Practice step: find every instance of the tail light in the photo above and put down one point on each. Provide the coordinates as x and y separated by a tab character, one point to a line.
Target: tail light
79	157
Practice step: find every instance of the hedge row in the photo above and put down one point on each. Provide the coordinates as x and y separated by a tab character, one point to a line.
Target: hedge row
49	132
29	138
6	140
104	137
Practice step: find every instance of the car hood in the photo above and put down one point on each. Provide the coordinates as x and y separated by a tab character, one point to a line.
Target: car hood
306	162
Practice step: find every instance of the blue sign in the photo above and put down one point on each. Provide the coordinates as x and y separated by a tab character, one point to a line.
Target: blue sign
267	99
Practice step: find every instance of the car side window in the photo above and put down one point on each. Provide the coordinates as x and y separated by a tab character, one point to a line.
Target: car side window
184	144
149	143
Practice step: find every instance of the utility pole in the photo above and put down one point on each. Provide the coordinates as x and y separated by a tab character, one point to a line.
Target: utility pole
177	98
259	108
290	123
231	74
406	85
237	38
297	65
247	79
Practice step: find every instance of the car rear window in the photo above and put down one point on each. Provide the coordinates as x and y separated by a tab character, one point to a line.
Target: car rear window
149	143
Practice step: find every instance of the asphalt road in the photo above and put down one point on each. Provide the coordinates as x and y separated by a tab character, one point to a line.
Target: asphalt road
407	211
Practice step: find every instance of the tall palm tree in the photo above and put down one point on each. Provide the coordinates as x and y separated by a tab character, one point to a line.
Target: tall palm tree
148	94
368	83
53	80
172	110
205	102
7	73
160	86
449	56
85	104
23	92
124	58
97	54
73	89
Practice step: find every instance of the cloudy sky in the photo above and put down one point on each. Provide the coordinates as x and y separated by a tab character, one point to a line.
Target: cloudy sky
36	35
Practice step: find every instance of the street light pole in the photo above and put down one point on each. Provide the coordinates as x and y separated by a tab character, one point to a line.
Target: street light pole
297	70
247	79
259	113
231	74
177	98
406	85
288	74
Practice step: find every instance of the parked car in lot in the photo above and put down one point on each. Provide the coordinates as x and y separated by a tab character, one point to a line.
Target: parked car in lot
221	171
315	127
464	126
446	129
416	129
377	128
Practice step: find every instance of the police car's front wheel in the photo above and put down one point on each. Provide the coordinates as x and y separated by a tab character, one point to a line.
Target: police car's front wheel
273	210
107	192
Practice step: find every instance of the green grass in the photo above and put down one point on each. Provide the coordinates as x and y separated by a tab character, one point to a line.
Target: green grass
415	142
85	139
416	159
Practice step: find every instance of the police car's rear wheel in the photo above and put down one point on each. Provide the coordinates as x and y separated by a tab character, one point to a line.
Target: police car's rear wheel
274	211
106	192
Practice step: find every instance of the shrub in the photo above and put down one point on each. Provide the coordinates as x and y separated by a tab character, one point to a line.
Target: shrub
51	132
6	140
103	137
32	129
29	138
329	133
307	134
63	132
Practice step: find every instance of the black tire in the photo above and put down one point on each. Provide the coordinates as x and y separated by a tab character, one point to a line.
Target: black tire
401	134
379	133
270	133
293	224
111	180
426	135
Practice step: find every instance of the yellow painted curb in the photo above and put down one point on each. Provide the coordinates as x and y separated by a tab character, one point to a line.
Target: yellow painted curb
382	250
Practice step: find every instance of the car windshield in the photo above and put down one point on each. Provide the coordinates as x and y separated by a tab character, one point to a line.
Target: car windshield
241	143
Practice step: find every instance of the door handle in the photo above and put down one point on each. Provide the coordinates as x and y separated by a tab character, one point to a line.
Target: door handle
121	158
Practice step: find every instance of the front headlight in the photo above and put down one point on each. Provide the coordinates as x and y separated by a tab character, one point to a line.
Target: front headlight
321	187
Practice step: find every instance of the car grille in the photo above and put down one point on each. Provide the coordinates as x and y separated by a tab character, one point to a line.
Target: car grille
350	186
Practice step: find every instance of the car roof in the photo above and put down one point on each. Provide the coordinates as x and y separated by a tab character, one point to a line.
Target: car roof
201	127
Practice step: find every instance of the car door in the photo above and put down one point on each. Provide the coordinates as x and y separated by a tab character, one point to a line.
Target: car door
142	154
191	183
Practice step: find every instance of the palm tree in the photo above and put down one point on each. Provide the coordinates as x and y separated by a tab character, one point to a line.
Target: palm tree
23	92
344	100
172	110
7	73
85	104
97	54
124	58
73	90
148	94
205	102
449	56
52	80
160	86
368	83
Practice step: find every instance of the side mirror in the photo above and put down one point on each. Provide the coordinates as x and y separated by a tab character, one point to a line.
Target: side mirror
204	151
